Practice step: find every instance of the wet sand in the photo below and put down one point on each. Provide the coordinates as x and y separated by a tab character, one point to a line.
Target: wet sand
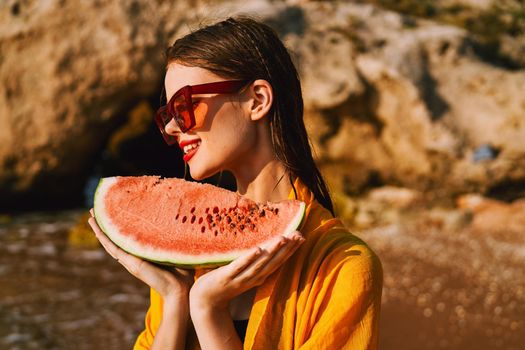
444	288
447	289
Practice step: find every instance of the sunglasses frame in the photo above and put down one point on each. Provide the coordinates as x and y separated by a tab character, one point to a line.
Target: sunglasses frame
169	111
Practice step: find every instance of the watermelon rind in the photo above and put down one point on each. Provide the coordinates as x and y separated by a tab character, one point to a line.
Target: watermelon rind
165	257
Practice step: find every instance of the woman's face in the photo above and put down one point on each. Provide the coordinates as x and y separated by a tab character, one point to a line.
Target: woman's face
227	133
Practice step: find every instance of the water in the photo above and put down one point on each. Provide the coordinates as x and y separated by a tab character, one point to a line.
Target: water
444	288
54	295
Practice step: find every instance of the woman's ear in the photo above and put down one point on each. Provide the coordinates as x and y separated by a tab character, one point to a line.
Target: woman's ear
262	99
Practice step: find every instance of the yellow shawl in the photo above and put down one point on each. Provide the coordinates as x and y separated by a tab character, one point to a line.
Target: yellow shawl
326	296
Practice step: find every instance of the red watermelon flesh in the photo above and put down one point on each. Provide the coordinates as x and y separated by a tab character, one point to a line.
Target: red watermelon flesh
184	223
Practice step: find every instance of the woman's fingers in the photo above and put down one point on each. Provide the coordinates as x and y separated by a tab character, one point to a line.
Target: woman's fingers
102	238
258	254
136	266
148	273
264	268
129	261
108	245
239	265
271	258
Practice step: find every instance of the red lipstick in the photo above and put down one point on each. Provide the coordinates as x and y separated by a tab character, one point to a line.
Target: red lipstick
187	142
189	155
191	152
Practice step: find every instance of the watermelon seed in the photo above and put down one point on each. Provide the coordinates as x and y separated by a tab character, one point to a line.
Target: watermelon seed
252	226
192	210
177	217
215	232
193	219
276	210
200	220
262	213
241	227
209	218
203	229
215	210
232	225
228	219
207	210
184	219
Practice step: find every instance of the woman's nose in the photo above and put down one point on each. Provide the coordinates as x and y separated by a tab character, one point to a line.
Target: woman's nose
172	128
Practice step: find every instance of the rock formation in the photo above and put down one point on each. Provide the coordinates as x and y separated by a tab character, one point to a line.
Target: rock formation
390	99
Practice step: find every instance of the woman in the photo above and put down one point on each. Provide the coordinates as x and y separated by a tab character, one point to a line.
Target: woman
243	112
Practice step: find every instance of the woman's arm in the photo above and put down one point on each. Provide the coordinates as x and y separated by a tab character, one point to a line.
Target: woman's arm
174	325
214	327
211	293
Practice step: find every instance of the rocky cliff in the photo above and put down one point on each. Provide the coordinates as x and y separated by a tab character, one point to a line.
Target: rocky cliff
391	97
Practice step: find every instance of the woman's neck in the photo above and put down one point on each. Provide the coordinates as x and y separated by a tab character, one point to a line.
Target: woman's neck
260	176
264	182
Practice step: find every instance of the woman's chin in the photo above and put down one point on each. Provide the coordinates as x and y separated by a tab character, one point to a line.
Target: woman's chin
196	175
201	174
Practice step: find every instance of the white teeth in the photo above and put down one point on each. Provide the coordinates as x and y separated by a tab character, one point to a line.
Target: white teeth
189	147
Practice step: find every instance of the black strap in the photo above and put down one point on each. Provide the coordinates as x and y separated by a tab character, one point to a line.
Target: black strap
240	328
293	186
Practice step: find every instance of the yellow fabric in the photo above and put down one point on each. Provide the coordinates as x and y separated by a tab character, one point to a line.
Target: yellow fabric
152	322
326	296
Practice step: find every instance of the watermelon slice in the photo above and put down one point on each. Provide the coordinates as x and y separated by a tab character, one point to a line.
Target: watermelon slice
188	224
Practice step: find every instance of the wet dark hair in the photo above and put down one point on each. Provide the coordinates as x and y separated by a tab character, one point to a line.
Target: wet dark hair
243	48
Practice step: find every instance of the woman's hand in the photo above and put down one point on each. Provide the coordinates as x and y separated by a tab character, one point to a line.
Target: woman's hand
218	287
170	283
212	292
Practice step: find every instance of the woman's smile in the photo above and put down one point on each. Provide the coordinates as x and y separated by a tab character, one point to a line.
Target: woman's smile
189	147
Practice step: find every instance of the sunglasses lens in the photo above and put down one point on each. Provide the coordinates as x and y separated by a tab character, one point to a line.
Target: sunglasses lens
200	111
183	113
